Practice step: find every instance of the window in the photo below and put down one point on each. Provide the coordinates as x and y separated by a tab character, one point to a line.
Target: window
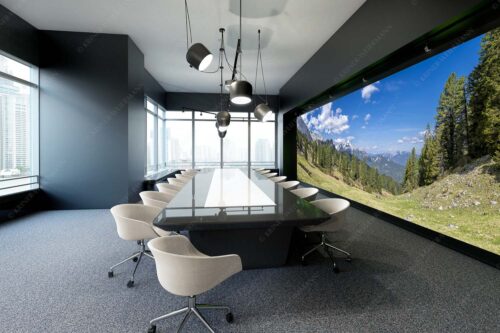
262	145
206	142
208	147
18	126
155	138
235	144
179	140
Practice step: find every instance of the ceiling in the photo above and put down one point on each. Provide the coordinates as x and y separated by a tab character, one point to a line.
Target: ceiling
292	31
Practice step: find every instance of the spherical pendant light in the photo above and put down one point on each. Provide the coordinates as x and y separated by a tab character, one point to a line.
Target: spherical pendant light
223	119
263	112
222	134
199	57
240	92
219	128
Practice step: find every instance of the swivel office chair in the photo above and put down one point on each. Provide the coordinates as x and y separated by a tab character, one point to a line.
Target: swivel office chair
177	182
270	174
306	193
337	209
289	185
278	179
184	271
134	222
184	178
156	199
168	188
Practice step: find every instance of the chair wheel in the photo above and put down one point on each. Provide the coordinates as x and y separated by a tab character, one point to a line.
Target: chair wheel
110	274
130	284
229	317
152	329
135	259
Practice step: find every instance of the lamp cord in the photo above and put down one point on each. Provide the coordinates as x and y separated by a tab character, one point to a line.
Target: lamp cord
189	34
259	59
241	53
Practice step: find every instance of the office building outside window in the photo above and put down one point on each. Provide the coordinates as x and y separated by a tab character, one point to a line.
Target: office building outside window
19	144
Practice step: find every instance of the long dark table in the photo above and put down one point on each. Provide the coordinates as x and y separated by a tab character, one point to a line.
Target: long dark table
259	234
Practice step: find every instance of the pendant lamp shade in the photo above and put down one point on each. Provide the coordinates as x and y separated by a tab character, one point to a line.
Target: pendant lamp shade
263	112
222	134
240	92
199	57
223	119
219	128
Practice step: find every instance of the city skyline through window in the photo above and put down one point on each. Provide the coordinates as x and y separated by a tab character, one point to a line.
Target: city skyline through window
18	126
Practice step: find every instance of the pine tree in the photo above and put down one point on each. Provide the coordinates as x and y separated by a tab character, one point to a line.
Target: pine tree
451	127
484	91
410	181
428	163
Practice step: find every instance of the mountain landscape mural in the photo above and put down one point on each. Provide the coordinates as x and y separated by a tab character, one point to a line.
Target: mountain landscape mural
422	144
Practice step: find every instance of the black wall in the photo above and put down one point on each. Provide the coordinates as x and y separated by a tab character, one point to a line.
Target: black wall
136	122
209	102
18	37
92	124
153	89
377	29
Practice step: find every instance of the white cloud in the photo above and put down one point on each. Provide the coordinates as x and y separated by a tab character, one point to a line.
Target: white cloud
369	90
413	140
329	121
344	140
367	117
354	116
363	127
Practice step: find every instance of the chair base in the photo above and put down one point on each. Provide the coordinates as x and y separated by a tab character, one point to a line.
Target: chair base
327	246
136	257
190	309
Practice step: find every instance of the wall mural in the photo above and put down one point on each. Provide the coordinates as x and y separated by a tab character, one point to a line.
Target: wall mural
422	144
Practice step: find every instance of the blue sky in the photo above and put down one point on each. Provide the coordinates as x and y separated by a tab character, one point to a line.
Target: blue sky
392	114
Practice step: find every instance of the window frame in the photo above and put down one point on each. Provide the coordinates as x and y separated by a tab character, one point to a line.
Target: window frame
33	180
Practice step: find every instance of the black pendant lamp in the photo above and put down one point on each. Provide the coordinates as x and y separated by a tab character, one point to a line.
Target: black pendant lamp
262	111
240	91
198	56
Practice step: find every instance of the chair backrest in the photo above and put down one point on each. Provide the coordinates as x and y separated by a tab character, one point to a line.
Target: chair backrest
271	174
184	178
189	172
336	208
278	179
166	187
184	271
306	193
177	182
135	221
289	185
155	199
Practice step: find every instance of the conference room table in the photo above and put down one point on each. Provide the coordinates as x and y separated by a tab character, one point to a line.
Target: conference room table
233	210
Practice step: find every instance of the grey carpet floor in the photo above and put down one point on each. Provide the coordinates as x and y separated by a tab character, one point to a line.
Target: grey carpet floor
53	278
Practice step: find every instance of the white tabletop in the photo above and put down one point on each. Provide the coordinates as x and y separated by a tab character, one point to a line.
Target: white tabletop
232	188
